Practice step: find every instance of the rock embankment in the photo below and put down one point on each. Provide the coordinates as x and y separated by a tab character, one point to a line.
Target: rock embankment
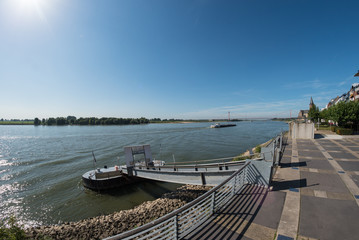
118	222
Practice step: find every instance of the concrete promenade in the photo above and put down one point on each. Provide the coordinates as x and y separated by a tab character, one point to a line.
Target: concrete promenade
315	195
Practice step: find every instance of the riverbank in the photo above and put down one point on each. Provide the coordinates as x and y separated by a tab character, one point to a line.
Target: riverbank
108	225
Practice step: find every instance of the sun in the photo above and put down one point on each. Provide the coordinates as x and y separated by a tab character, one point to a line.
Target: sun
30	7
28	4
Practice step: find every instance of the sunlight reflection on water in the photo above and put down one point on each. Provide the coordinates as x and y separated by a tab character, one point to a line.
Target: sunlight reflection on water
41	167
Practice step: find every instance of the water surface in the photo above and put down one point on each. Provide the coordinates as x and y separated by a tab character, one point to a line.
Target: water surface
41	167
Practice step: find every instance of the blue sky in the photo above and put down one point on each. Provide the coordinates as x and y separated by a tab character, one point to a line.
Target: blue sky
174	59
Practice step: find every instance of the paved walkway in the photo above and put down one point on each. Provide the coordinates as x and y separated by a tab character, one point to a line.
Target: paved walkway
315	195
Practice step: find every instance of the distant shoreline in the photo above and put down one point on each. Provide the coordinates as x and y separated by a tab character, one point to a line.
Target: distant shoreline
16	123
32	122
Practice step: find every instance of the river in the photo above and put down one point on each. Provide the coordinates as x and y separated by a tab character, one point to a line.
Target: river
41	166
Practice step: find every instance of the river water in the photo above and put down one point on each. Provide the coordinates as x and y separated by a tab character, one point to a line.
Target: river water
41	167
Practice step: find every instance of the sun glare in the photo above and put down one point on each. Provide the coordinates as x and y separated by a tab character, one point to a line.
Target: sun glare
30	6
27	3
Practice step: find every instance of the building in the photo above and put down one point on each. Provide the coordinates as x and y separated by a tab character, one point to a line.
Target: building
354	92
351	95
303	114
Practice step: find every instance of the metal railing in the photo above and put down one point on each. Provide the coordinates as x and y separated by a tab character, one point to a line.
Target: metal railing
273	152
184	220
194	166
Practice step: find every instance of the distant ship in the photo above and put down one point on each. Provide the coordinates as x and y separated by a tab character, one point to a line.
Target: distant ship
218	125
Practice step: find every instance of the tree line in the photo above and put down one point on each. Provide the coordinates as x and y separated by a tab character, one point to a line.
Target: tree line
345	114
71	120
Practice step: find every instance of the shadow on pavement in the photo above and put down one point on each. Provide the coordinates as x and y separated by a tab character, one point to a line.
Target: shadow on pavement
233	221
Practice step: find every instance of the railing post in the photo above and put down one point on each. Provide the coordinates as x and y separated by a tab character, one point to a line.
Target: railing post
234	185
242	178
281	141
176	226
213	202
245	175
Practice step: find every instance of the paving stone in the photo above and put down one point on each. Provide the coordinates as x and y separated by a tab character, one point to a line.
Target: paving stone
287	152
267	208
325	218
354	141
285	160
328	144
354	149
315	154
340	196
270	212
355	179
333	149
325	141
349	165
317	164
307	147
345	143
343	154
324	182
307	191
305	238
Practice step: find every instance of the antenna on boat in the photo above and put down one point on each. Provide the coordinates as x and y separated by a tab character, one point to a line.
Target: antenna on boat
174	160
160	151
94	160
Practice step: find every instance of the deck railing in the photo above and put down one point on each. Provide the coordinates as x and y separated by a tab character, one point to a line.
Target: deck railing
186	219
273	152
182	221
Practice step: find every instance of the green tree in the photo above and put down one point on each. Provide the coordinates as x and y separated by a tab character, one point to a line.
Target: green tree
60	121
71	119
313	113
351	114
37	122
51	121
324	114
344	113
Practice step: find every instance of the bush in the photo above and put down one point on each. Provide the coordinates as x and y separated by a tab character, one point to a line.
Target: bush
333	128
241	158
344	131
10	229
258	149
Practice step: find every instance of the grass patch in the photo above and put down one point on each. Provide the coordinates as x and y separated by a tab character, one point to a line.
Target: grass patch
240	158
324	127
16	122
11	229
258	149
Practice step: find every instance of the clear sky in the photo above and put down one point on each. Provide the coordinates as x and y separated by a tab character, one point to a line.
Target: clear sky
174	59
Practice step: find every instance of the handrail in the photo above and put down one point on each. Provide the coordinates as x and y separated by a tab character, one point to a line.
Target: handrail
208	160
195	165
176	212
184	220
